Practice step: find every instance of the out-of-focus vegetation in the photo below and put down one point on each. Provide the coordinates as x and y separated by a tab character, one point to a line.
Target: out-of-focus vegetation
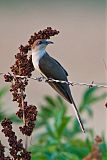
58	136
3	114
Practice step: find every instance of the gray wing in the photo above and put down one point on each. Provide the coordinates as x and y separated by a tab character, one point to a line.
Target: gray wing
53	69
61	66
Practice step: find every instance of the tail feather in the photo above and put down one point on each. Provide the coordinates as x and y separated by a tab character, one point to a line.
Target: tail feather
78	116
64	91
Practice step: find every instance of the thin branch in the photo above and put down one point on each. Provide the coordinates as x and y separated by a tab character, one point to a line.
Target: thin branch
22	99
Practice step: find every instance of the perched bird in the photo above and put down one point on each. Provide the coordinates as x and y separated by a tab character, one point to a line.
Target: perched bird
51	68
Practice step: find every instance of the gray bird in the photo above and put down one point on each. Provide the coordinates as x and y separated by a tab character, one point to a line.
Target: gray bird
51	68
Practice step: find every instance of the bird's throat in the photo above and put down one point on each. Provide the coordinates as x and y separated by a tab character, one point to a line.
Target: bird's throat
36	56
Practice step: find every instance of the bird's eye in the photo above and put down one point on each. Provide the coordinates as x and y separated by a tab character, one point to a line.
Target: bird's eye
40	42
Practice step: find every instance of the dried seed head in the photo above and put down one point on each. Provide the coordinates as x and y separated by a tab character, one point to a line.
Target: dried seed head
23	67
95	151
98	139
16	147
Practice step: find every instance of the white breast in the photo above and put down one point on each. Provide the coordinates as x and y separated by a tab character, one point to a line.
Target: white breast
36	56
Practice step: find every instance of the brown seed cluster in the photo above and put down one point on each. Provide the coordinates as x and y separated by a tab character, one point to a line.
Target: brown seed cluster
95	152
44	34
30	117
2	153
17	151
23	67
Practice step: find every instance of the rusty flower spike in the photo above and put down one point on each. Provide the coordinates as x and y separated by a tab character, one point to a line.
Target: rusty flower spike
2	153
95	151
23	67
17	151
44	34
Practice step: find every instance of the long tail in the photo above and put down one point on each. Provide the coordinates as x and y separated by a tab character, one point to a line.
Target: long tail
64	91
78	116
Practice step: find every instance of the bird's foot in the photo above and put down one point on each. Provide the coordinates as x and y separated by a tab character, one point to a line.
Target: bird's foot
41	78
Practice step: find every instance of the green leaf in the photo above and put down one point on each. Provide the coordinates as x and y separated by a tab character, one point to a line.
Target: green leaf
2	116
50	129
46	112
57	140
60	104
50	100
76	127
89	98
62	126
3	91
89	93
89	110
58	118
39	123
39	156
70	156
98	98
104	155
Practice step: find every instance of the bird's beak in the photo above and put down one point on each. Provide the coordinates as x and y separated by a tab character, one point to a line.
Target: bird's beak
48	42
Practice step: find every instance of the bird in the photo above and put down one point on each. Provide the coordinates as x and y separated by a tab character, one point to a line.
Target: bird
49	67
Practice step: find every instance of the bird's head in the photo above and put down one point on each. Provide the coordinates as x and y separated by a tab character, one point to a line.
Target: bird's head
40	44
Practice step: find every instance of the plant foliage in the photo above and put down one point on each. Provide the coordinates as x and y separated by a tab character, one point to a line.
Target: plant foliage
58	135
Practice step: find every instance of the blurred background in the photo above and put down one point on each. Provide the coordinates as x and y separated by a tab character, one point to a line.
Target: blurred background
80	46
